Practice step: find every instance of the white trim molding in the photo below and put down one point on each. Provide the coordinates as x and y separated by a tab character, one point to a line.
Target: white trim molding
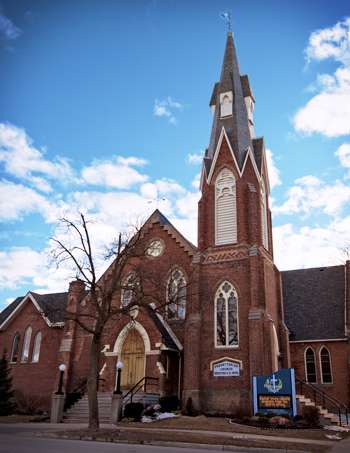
124	332
318	341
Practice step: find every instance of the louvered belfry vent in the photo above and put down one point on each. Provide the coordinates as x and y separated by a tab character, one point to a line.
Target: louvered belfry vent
225	208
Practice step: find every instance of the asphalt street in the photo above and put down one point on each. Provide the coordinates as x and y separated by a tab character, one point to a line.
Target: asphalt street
22	439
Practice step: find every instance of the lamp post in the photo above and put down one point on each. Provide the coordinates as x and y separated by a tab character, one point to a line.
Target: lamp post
119	365
61	368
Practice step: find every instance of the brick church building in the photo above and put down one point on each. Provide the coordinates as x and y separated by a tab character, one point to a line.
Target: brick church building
235	309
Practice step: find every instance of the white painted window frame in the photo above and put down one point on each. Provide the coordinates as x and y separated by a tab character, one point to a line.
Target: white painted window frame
36	347
226	346
330	364
305	365
26	344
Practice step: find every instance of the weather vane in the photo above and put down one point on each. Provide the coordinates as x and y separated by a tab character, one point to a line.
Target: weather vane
226	16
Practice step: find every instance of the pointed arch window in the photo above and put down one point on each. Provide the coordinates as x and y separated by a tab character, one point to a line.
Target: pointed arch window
264	221
310	366
36	347
226	316
130	289
15	348
225	208
176	295
26	344
326	368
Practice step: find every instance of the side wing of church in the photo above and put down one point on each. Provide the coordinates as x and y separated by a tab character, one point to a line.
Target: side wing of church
235	314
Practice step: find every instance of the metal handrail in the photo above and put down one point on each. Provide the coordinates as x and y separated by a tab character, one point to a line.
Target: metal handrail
325	399
139	385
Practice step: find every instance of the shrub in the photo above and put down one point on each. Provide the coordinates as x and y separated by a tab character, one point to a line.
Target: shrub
169	403
6	393
311	416
28	404
133	410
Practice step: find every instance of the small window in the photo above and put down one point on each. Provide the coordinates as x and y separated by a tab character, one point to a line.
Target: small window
130	289
310	366
326	369
176	295
15	348
226	104
26	344
226	316
36	347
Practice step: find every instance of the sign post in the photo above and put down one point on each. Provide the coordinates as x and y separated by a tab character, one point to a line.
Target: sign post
275	393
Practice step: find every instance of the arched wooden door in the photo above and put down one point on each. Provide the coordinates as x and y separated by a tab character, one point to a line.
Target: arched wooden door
133	358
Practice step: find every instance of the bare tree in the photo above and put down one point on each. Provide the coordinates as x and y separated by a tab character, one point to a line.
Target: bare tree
140	288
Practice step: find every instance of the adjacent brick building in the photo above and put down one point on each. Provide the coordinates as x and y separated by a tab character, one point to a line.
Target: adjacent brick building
233	309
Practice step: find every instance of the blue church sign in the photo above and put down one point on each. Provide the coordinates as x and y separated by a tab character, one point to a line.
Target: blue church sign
275	393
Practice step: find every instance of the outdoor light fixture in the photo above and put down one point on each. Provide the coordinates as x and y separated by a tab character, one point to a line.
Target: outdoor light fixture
62	369
119	365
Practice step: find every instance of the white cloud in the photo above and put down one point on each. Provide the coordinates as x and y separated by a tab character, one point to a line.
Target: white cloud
328	112
332	42
274	174
196	181
18	266
23	160
310	193
117	173
17	200
8	30
166	108
310	247
195	158
343	153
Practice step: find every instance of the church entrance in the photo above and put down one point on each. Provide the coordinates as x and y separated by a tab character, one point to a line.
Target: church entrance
133	358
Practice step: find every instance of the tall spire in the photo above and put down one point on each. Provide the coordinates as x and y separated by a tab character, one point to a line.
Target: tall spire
236	125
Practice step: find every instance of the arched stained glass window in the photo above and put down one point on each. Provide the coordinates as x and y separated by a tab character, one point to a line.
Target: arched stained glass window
26	344
176	295
130	289
326	368
310	366
225	208
226	316
15	348
36	347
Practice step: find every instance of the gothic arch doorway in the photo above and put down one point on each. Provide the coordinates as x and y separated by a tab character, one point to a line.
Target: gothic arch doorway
133	358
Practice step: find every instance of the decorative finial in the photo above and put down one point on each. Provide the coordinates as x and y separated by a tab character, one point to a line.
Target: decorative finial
226	16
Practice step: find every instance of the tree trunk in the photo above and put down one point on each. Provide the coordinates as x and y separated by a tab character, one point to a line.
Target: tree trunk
92	384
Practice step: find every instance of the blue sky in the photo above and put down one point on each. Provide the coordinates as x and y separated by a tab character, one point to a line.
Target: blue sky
104	109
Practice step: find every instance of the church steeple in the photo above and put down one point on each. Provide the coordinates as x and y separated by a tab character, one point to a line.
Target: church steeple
229	106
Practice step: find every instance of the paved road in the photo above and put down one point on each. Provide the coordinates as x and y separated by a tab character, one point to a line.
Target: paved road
21	439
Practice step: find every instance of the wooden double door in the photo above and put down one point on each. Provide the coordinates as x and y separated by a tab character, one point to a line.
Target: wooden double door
133	358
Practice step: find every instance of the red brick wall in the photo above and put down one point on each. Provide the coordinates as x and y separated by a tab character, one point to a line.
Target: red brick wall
35	380
339	352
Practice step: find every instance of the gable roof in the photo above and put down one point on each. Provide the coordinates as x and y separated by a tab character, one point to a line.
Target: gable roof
169	338
314	303
51	306
158	217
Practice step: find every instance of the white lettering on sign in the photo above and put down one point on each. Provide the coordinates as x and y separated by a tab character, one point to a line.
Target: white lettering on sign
226	368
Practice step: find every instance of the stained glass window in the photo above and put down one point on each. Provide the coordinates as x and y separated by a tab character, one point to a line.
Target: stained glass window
176	295
226	316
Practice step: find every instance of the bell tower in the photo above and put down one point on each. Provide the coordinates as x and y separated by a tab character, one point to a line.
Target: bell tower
240	311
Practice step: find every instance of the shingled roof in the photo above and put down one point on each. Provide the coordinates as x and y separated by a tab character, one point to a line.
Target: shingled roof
52	306
314	301
236	125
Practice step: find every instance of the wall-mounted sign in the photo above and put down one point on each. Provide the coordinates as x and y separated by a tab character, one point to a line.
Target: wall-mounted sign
226	368
275	393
